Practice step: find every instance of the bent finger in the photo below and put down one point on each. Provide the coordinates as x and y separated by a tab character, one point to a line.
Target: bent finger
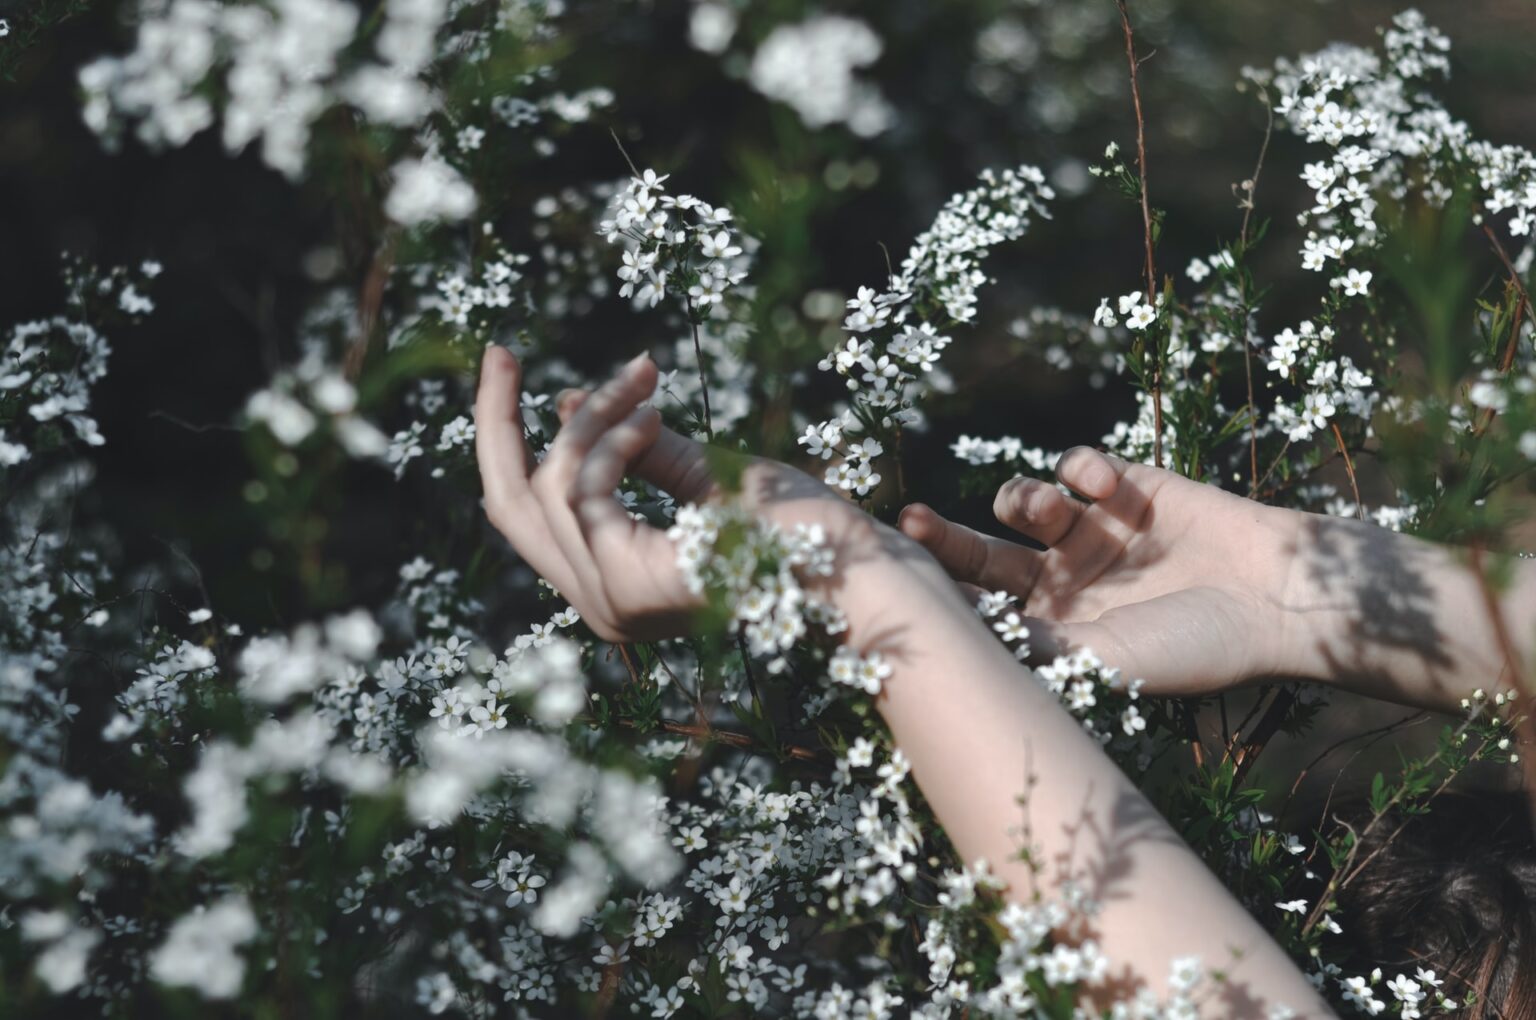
1090	473
605	408
672	462
620	545
1036	509
970	556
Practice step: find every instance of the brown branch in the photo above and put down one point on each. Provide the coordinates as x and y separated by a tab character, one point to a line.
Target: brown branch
1146	221
1515	667
1263	732
1506	360
1509	266
1349	469
731	738
369	301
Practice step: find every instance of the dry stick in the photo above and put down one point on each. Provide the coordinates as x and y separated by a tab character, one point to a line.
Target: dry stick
1349	469
613	973
1230	739
1263	731
731	738
1146	220
1378	734
1509	267
1516	669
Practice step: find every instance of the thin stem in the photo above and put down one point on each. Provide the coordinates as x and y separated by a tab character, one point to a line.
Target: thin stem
1146	220
1250	189
1509	267
698	354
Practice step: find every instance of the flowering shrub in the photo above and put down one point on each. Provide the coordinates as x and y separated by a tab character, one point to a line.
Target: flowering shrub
462	800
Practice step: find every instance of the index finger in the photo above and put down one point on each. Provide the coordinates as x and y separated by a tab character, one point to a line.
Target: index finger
500	448
992	563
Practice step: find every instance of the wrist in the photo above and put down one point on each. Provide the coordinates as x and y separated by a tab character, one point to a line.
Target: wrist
1304	621
891	584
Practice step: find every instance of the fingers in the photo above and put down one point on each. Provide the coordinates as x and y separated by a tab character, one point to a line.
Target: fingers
630	556
606	407
602	519
499	444
673	463
1089	473
504	462
1036	509
970	556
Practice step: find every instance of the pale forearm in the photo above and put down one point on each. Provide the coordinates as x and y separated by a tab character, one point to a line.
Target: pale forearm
1393	617
977	728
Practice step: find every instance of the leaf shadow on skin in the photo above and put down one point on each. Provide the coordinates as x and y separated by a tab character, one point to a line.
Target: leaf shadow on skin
1106	871
1369	577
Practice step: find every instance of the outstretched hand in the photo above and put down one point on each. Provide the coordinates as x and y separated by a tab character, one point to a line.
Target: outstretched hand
1172	581
561	514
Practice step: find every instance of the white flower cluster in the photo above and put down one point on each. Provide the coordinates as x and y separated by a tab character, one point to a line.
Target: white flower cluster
1103	701
201	950
428	189
940	275
48	366
1388	135
757	572
282	60
661	240
298	400
811	65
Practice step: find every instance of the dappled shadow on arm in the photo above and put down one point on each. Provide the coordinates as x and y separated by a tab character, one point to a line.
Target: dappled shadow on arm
1374	611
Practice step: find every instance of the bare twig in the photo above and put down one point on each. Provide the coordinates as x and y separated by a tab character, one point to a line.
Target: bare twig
1248	202
1519	679
1349	469
1263	731
731	738
1509	266
369	302
1146	220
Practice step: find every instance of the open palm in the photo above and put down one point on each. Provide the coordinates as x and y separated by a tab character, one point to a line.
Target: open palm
1173	581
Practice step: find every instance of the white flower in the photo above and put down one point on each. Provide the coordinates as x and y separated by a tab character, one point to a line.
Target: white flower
428	189
200	951
1141	316
718	245
1355	282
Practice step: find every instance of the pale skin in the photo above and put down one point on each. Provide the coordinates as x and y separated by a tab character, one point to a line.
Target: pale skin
1189	587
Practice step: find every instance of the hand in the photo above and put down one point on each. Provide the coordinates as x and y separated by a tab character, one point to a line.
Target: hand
562	517
1172	581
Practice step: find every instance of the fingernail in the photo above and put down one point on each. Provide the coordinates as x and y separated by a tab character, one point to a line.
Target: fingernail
637	360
